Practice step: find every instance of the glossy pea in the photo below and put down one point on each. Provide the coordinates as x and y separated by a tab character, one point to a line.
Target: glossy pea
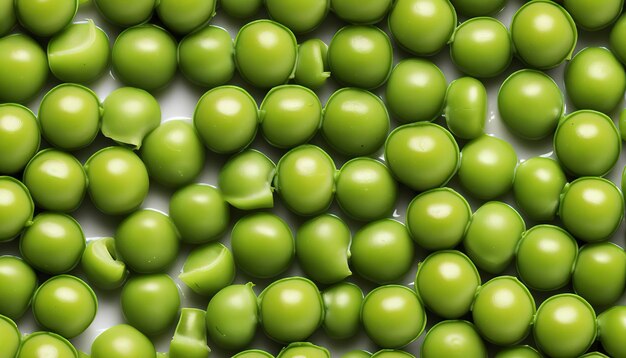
199	212
312	64
537	186
23	68
617	39
466	108
518	352
453	339
357	353
473	8
303	349
122	341
246	180
361	12
232	316
45	18
599	275
7	13
342	306
241	9
213	45
253	353
125	14
19	137
150	303
208	269
594	355
184	17
301	17
611	327
11	338
18	282
593	16
392	353
16	208
189	339
50	343
101	264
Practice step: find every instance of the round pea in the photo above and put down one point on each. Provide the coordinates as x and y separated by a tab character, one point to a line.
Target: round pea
241	9
301	17
546	256
199	212
591	209
101	264
453	339
122	341
382	251
184	17
291	309
594	16
611	329
23	68
213	45
564	326
147	241
600	273
392	353
594	355
393	316
361	12
246	180
622	124
537	187
312	64
518	352
65	305
124	13
357	354
303	349
416	78
360	56
232	316
11	338
18	283
466	108
617	39
19	137
253	353
16	208
342	307
473	8
150	303
208	269
422	155
39	343
263	245
7	14
45	18
226	118
144	56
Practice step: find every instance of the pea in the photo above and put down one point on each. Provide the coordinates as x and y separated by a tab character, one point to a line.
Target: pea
305	180
492	236
466	108
208	269
122	13
342	307
366	12
392	353
118	180
600	273
487	167
591	208
184	17
446	282
144	56
7	13
422	27
246	180
416	78
422	155
45	18
360	56
10	338
199	212
616	39
253	353
472	8
150	303
312	64
593	16
19	137
357	354
300	17
122	341
101	264
565	325
23	68
262	244
481	47
453	339
232	316
303	349
18	283
611	329
622	124
129	114
79	53
65	305
530	104
323	248
518	352
543	34
393	316
69	116
16	208
291	309
226	118
49	343
147	241
241	9
265	63
290	116
189	339
594	355
537	186
210	44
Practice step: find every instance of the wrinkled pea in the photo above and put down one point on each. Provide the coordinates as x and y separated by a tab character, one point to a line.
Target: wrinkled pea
189	339
102	266
16	208
232	316
199	212
518	352
600	273
472	8
593	15
208	269
45	18
124	13
611	330
466	108
342	307
301	16
18	282
182	17
303	349
453	339
23	68
211	44
537	187
246	180
122	341
50	343
617	39
312	64
361	12
11	338
19	137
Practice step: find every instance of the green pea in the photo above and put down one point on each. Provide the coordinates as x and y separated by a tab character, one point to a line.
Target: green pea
208	269
101	264
472	8
518	352
200	213
312	64
622	124
150	303
543	34
7	14
129	114
366	12
16	208
611	329
393	316
147	241
492	236
422	27
19	137
303	349
79	53
530	104
446	282
392	353
564	326
232	316
291	309
466	108
437	219
118	180
453	339
537	187
252	353
546	256
124	13
416	78
144	56
45	18
69	116
290	115
422	155
593	16
382	251
241	9
56	180
265	53
173	153
617	37
18	283
262	244
41	344
122	341
594	355
184	17
591	208
487	167
357	354
301	17
305	180
360	56
226	118
23	68
342	307
10	338
600	273
213	45
189	339
246	180
323	248
65	305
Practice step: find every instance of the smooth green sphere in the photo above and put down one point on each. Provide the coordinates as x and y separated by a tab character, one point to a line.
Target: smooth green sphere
150	303
38	343
472	8
213	45
23	68
126	13
16	208
18	282
19	137
342	308
466	108
537	187
617	39
599	275
232	316
611	329
361	12
122	341
453	339
593	15
45	18
11	338
184	16
300	16
199	212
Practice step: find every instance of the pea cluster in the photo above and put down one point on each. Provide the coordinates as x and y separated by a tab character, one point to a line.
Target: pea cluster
485	284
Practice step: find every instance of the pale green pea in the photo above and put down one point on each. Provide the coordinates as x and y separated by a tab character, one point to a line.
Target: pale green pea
11	338
466	108
102	266
19	137
232	316
342	306
16	208
208	269
51	343
18	282
303	349
189	339
210	44
182	17
600	273
246	180
312	64
199	212
537	187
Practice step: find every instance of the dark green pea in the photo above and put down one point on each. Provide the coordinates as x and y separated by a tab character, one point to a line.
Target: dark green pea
537	187
213	45
611	330
617	37
301	17
246	180
453	339
45	18
312	64
23	68
208	269
189	339
200	213
50	343
473	8
102	266
594	16
518	352
241	9
18	282
253	353
16	208
361	12
182	17
7	14
466	108
342	306
232	316
19	137
600	273
11	338
122	341
124	13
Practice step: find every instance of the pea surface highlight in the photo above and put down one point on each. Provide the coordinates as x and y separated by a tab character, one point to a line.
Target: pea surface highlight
16	208
18	282
122	341
599	275
537	187
232	316
49	342
246	180
23	68
19	137
453	339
